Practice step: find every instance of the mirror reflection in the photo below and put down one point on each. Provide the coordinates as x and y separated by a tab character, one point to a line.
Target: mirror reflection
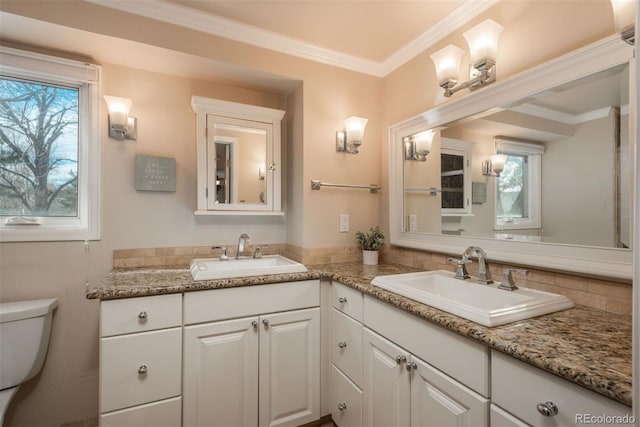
238	154
563	174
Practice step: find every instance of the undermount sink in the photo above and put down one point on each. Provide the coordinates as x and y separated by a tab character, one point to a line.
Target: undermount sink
214	268
483	304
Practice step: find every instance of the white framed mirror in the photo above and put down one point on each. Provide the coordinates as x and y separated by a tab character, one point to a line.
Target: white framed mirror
238	158
564	197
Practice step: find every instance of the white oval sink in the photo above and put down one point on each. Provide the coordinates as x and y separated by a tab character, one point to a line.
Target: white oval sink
483	304
213	268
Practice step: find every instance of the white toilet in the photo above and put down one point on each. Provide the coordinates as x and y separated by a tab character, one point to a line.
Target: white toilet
25	327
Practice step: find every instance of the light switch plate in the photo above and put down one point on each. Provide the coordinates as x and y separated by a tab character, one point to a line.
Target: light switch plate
344	223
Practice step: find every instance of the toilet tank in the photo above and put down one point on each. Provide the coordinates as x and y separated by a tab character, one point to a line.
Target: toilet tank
25	327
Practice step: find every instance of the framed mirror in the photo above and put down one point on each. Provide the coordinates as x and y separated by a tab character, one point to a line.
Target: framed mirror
560	196
238	150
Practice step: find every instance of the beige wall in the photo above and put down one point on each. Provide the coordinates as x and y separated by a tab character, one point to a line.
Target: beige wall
67	389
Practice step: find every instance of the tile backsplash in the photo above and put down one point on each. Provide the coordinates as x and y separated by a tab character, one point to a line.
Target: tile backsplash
608	295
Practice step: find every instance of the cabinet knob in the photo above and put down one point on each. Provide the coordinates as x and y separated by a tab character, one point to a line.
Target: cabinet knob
342	407
142	370
254	324
401	359
411	366
547	409
342	300
342	344
265	322
143	315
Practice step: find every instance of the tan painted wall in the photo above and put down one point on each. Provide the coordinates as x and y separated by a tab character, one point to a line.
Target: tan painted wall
67	389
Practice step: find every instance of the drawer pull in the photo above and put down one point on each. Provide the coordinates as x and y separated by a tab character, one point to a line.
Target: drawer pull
411	365
342	300
401	359
143	315
342	344
342	407
547	409
142	370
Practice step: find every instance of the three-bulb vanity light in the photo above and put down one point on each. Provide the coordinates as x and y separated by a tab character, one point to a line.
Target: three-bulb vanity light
624	14
418	146
495	165
121	126
350	139
483	48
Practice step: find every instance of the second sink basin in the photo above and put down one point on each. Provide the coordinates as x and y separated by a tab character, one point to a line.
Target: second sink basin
483	304
213	268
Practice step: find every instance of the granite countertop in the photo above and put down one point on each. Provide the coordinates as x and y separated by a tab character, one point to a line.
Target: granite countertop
586	346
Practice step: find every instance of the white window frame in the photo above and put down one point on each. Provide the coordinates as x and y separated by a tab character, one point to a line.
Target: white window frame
86	77
533	153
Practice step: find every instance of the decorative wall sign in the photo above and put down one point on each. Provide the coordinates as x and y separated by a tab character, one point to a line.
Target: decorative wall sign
155	173
479	192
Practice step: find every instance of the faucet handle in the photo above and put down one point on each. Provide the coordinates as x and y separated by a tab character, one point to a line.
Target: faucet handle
461	272
257	252
223	255
507	278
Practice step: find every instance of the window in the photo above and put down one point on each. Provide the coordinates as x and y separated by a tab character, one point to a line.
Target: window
49	150
517	190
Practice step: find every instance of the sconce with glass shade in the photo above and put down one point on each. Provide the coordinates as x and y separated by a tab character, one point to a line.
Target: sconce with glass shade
483	47
495	165
418	146
624	13
121	126
350	139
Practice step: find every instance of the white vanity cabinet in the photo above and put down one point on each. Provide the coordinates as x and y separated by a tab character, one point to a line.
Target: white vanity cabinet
346	355
252	355
141	361
530	400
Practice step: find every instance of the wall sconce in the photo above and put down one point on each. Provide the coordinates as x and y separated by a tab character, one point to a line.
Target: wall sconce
350	138
624	14
483	48
121	126
495	165
418	146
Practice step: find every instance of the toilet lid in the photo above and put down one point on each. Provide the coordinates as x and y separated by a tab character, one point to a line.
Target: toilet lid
11	311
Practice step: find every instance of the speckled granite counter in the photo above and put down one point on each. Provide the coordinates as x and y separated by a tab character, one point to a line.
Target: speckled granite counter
589	347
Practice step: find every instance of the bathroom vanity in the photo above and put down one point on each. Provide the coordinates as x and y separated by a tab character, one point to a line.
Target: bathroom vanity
385	359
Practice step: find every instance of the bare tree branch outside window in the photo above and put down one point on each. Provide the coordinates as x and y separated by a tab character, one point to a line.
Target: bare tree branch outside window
38	149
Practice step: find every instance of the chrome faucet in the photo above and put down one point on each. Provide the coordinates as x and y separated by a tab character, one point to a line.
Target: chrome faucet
242	241
484	274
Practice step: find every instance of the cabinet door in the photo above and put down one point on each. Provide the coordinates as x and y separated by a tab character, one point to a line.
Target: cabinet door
440	401
290	368
386	386
220	380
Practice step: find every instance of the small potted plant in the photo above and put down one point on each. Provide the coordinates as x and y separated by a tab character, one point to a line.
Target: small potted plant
370	241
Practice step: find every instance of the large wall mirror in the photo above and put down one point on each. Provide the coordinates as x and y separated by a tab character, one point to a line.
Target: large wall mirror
561	194
238	149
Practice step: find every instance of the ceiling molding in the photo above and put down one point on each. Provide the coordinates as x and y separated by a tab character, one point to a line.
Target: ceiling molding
211	24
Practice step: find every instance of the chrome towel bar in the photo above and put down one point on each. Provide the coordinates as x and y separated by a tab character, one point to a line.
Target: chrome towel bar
315	185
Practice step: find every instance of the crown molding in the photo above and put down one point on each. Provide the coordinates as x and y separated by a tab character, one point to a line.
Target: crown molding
210	24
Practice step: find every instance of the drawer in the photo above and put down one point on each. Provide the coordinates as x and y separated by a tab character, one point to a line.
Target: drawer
123	316
165	413
534	386
346	400
346	345
122	382
501	418
347	300
461	358
229	303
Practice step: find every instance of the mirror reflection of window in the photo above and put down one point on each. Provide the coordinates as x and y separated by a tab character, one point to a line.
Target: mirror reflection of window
512	189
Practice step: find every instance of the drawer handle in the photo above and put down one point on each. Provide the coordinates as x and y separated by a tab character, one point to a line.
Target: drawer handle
143	315
142	370
401	359
547	409
342	407
342	344
411	365
342	300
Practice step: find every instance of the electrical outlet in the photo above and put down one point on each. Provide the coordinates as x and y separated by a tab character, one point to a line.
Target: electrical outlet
344	223
413	223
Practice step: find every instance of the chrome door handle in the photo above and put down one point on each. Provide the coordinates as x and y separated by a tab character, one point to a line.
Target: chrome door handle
254	324
547	409
342	300
411	366
401	359
265	322
143	315
142	370
342	344
342	407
